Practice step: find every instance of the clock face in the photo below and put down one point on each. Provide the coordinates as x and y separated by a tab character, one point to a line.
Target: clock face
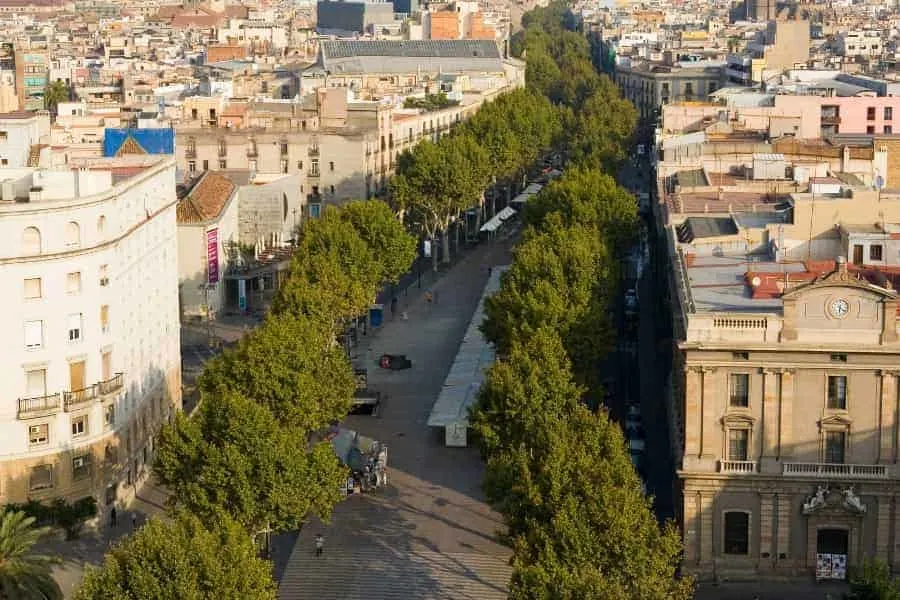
839	308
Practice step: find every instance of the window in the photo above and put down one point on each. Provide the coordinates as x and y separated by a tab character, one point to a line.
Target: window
73	234
38	435
331	165
888	113
31	241
75	327
73	283
101	224
284	166
33	288
835	446
109	415
284	148
192	166
104	275
79	426
36	383
838	358
299	165
34	335
740	355
888	129
737	532
870	129
104	318
223	164
870	113
41	478
81	467
837	392
314	167
206	165
875	252
106	365
738	444
688	90
740	390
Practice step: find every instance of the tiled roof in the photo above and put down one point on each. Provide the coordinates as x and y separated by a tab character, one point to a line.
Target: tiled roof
206	200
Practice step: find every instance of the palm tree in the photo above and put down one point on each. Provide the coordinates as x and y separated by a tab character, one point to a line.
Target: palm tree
24	576
55	93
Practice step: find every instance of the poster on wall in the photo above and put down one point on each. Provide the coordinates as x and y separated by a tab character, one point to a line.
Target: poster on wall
831	566
212	256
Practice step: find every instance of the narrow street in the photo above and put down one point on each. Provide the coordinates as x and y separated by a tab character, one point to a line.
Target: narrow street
429	535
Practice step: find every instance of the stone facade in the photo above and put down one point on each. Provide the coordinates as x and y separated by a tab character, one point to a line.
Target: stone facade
788	427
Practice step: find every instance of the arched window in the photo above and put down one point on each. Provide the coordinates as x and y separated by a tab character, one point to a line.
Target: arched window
31	241
101	223
73	234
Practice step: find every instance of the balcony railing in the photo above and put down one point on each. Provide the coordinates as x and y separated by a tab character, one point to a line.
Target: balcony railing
835	471
78	397
111	385
313	173
38	406
737	466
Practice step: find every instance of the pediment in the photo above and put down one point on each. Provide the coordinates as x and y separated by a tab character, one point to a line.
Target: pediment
738	420
840	280
836	420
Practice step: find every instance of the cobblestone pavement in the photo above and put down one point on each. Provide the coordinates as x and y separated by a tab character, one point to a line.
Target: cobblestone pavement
430	533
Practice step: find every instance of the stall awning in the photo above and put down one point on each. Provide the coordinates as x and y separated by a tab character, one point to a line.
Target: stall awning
498	219
527	193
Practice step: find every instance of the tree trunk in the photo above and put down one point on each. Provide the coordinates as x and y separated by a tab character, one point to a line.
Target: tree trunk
446	240
434	260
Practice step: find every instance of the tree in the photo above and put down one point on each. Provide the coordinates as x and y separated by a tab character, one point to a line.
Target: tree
532	382
393	247
234	459
23	575
872	580
437	181
573	503
334	273
55	93
182	559
291	366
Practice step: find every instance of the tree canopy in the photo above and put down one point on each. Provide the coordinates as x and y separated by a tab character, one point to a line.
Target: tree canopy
291	366
234	459
182	559
23	574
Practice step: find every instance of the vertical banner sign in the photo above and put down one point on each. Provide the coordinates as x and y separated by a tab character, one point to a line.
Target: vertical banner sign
212	255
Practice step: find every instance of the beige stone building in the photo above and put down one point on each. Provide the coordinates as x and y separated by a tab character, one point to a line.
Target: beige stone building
785	404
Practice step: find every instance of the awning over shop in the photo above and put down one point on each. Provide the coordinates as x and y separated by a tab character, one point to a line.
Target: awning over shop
527	193
498	219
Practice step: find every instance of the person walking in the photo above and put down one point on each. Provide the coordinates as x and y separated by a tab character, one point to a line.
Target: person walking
112	517
134	521
320	544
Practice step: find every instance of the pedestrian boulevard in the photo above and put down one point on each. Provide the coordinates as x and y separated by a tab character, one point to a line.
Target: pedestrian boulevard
429	535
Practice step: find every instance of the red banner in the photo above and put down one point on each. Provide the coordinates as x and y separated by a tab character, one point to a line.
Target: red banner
212	255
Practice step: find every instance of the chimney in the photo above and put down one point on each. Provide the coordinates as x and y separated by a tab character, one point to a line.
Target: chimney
841	264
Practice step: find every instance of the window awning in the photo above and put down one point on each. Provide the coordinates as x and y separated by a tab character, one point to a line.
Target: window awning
498	219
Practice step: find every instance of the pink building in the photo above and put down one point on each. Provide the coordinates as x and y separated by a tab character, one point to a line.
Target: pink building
845	115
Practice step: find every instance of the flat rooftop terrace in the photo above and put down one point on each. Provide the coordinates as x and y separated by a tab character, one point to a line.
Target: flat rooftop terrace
719	283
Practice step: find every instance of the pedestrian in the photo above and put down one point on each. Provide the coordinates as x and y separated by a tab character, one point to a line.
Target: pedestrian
320	544
134	521
112	517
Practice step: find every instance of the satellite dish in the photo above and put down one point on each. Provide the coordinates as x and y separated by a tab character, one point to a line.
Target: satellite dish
756	281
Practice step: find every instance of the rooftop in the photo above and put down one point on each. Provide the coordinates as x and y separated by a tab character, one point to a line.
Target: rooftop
205	201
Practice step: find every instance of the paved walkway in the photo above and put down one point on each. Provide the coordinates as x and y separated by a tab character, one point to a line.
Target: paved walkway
429	535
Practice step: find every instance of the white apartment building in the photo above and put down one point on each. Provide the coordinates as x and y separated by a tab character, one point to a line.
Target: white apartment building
19	133
859	43
91	362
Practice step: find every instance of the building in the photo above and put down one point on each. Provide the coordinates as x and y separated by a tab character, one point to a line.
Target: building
352	16
32	72
22	135
859	43
90	262
651	86
761	10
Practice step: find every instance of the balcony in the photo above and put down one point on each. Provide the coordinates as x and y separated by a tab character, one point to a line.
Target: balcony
39	406
223	151
190	152
252	152
835	471
313	173
741	467
111	385
77	398
313	150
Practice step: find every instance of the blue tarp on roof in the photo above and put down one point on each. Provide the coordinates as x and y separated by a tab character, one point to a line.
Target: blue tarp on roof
151	141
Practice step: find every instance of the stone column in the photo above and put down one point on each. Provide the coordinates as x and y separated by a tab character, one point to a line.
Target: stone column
883	529
707	451
783	540
770	420
786	425
691	527
766	529
706	528
692	416
888	415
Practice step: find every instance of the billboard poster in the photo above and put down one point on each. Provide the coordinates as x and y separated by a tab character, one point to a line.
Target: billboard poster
212	256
